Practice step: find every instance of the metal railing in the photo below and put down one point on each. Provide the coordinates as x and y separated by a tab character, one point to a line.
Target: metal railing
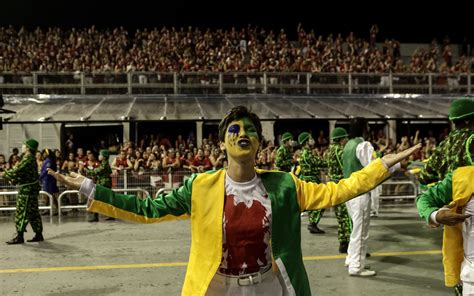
399	190
232	83
44	193
84	206
162	190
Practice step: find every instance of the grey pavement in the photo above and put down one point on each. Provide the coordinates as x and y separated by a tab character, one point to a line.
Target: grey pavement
121	246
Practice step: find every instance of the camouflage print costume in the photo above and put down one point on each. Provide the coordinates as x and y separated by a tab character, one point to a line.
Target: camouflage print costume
102	174
311	172
448	155
25	175
333	160
284	159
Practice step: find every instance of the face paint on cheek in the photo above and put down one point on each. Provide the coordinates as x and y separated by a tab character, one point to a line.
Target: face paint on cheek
233	133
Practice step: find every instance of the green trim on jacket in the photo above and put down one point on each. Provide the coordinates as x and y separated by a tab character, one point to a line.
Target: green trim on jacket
434	198
456	190
289	197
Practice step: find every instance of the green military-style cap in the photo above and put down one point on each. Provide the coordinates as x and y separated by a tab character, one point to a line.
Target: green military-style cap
303	137
286	136
32	144
105	153
461	108
339	132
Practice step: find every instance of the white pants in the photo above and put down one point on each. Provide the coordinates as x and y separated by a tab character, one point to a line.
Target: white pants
359	210
375	199
269	286
467	278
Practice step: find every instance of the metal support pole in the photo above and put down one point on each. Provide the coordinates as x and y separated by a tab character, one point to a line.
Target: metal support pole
175	83
83	84
308	81
430	83
349	83
221	87
35	83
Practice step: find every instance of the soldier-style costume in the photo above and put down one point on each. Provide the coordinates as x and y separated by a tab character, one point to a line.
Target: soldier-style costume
101	175
456	189
284	157
450	153
311	172
333	159
25	175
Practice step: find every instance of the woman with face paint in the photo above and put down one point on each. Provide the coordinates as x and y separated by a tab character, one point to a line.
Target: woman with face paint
246	225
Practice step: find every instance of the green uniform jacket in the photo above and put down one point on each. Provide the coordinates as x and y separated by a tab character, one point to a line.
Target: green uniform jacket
456	189
311	166
102	174
202	198
449	155
284	159
333	160
25	175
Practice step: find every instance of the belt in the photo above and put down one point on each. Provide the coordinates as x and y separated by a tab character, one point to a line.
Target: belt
246	279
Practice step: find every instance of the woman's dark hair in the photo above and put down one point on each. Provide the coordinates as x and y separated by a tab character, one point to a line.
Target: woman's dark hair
52	156
358	128
237	113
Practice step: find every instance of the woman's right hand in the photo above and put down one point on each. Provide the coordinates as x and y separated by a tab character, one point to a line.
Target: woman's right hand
73	181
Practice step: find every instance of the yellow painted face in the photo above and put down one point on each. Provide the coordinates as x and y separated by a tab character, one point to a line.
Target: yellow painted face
241	139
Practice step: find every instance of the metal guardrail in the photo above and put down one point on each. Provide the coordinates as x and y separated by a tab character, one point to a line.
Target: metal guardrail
162	190
412	184
232	83
50	207
84	206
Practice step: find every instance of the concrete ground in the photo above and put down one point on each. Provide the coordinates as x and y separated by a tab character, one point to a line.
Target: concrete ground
119	258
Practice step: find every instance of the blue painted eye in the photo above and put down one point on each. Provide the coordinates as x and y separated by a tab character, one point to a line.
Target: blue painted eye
234	129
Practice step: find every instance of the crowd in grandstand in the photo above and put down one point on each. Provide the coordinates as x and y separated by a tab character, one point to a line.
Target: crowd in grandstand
250	49
162	154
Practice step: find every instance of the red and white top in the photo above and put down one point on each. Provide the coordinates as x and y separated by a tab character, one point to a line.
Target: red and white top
246	227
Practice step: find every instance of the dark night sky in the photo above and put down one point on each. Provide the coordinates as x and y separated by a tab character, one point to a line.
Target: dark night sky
405	21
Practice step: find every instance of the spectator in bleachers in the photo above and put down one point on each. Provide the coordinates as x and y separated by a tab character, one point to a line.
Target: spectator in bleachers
179	142
165	142
153	163
15	160
3	164
81	158
11	161
170	161
121	162
217	158
189	163
322	140
70	164
201	161
91	162
70	143
140	163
